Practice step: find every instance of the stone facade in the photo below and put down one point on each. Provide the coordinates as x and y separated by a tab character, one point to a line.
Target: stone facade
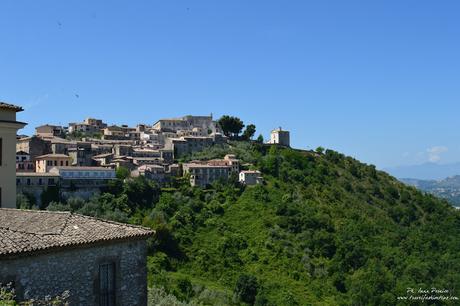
203	175
77	270
33	145
250	177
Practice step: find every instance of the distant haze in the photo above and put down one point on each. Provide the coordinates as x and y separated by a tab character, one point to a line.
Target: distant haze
426	171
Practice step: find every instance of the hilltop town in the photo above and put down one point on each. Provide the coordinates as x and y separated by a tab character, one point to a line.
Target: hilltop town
144	234
81	158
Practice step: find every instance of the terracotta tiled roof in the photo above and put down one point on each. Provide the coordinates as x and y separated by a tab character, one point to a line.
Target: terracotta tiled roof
4	105
25	231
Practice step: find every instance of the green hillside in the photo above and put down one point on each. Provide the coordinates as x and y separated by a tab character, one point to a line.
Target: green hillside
325	229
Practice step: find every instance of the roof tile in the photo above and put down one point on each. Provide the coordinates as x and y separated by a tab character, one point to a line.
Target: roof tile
24	231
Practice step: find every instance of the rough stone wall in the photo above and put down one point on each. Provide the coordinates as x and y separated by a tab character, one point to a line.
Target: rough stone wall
77	270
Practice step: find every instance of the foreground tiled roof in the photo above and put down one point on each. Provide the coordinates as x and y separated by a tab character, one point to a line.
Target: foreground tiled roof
26	231
4	105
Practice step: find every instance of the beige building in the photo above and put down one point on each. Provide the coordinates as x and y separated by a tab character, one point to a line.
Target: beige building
8	129
48	130
280	136
98	123
45	162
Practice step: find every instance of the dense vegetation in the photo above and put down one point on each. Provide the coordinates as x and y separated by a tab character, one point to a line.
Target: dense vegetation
324	229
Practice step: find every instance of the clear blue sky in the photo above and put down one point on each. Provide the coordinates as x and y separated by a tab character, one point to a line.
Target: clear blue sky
378	80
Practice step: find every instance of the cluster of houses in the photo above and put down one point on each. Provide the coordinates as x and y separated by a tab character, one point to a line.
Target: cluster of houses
93	261
54	156
84	260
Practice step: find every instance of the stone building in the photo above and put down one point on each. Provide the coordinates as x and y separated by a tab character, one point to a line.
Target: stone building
151	172
82	128
250	177
229	160
280	136
81	154
49	130
98	262
89	125
8	128
35	183
187	145
114	133
33	145
84	177
205	124
23	162
97	123
202	175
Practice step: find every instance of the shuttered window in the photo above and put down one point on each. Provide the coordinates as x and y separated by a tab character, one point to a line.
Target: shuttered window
107	284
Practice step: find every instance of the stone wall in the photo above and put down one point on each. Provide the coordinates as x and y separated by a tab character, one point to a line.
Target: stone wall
77	270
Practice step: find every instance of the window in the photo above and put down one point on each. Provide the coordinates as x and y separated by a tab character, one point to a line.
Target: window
66	162
107	284
28	181
55	162
62	163
40	181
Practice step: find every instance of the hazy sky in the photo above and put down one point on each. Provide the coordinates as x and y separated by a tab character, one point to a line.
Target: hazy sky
378	80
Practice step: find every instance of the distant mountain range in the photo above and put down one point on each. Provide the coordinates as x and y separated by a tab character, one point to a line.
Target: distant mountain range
448	188
426	171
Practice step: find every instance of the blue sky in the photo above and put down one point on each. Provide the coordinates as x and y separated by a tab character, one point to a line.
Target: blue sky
378	80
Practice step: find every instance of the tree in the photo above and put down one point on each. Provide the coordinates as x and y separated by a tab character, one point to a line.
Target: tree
249	132
320	150
260	139
246	288
50	194
122	173
231	126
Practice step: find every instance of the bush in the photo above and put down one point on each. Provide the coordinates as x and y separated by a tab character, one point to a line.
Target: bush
246	288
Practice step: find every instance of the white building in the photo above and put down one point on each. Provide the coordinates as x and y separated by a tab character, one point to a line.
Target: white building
279	136
250	177
8	129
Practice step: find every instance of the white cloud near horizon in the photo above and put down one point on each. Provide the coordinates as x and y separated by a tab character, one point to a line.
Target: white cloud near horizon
434	153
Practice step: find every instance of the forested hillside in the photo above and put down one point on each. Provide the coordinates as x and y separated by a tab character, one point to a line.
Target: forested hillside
324	229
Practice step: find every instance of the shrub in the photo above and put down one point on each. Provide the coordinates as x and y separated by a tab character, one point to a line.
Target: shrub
246	288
